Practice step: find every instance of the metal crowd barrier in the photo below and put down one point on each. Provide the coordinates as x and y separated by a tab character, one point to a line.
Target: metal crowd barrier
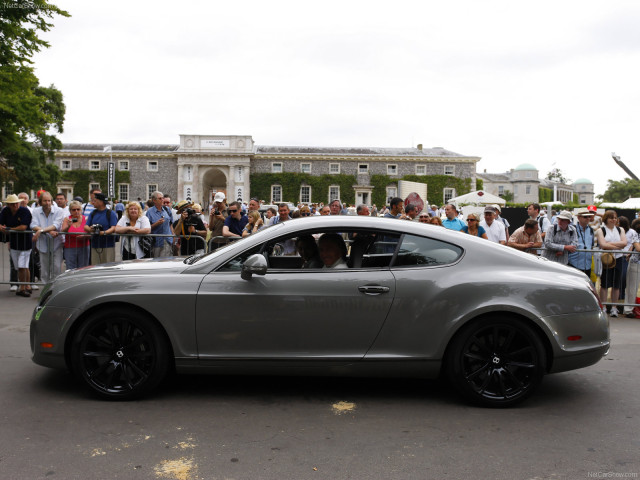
8	275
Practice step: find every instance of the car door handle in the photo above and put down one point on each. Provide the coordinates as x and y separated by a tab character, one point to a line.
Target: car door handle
373	289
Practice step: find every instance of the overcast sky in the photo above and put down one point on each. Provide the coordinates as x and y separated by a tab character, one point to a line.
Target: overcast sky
551	83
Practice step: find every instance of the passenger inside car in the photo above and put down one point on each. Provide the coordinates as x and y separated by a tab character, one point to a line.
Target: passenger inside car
333	251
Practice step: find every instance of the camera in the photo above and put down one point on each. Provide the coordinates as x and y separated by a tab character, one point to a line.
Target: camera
74	220
97	228
192	217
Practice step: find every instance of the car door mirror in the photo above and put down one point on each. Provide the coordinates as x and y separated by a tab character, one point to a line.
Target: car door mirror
254	264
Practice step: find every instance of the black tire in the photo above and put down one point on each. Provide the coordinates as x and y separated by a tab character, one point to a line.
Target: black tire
120	354
496	362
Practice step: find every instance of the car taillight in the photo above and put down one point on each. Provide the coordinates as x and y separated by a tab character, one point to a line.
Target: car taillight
595	294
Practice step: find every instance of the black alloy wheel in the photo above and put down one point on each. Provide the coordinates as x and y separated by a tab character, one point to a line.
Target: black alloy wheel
496	362
120	355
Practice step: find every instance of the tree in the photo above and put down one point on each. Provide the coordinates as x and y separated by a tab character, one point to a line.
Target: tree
619	191
556	175
507	195
28	111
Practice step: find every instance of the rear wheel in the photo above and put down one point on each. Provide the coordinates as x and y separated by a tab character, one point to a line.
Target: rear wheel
496	362
120	354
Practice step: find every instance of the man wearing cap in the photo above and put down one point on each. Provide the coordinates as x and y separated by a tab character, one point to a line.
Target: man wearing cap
46	222
452	222
189	243
502	220
586	240
560	239
160	219
102	241
15	218
495	230
217	218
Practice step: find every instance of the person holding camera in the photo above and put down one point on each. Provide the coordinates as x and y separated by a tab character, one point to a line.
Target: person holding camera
235	222
216	220
76	247
101	224
132	223
189	227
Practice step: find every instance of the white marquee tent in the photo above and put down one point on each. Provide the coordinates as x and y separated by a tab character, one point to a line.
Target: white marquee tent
478	198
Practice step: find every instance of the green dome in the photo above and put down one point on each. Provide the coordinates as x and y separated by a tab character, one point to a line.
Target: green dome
525	166
583	180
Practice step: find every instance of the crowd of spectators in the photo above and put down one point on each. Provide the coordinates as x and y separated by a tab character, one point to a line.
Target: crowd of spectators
42	235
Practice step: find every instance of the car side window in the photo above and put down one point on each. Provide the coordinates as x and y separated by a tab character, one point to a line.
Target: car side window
235	264
421	251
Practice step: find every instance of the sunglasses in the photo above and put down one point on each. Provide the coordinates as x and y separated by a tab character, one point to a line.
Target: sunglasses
471	220
75	209
232	211
305	214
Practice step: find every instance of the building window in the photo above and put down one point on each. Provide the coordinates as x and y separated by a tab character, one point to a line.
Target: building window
94	186
123	192
527	189
65	164
392	169
334	168
334	193
528	175
151	188
515	189
305	194
515	175
152	166
449	170
448	194
363	168
276	194
123	165
584	187
392	192
305	167
583	200
94	165
276	167
421	169
8	189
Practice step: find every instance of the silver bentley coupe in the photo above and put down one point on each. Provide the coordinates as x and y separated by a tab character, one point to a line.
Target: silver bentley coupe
343	295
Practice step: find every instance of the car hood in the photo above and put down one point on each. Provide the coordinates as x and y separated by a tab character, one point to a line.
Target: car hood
160	265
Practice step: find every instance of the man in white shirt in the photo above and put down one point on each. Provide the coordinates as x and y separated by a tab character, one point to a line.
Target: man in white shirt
46	222
495	230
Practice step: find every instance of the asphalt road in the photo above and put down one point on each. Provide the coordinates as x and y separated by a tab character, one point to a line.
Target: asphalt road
580	425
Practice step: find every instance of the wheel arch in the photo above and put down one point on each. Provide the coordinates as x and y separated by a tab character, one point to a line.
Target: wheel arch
130	308
548	350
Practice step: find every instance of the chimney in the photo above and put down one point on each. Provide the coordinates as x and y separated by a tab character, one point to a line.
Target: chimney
419	146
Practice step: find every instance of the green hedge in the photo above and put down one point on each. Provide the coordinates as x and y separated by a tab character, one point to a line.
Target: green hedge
83	178
291	182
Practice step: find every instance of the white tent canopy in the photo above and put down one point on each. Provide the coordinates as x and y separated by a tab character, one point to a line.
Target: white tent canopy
478	198
631	203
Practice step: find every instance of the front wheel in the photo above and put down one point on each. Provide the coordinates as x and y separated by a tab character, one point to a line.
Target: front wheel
496	362
119	355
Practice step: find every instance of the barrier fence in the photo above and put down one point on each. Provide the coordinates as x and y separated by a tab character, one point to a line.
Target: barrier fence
128	246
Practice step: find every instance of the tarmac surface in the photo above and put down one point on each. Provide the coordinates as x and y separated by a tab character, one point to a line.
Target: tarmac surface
580	425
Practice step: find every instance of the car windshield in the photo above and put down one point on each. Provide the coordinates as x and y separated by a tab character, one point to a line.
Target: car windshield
195	259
